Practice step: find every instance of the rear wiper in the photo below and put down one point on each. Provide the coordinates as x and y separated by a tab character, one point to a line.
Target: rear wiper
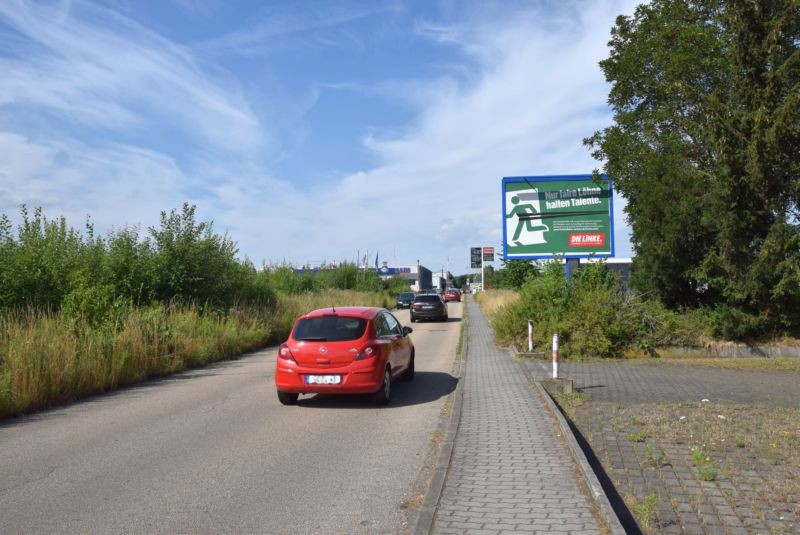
314	339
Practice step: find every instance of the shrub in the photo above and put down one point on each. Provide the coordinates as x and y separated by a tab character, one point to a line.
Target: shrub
735	324
593	314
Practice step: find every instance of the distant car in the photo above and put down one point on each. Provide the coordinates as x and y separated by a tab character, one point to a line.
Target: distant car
404	299
428	307
346	350
452	294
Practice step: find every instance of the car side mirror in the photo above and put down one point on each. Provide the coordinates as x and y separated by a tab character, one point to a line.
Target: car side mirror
407	331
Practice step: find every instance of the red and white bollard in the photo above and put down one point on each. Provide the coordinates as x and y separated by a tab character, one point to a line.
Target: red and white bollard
530	336
555	356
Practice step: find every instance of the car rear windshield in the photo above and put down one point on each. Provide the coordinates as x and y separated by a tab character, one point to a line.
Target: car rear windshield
430	298
407	295
329	329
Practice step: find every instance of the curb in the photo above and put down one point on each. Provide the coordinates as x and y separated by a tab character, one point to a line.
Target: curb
427	511
607	512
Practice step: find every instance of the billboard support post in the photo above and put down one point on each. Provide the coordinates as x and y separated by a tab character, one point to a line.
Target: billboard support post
476	259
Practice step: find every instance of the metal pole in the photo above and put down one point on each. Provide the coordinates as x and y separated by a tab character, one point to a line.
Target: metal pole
483	281
530	336
555	356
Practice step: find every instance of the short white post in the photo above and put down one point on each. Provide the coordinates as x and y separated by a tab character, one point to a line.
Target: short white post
530	336
555	356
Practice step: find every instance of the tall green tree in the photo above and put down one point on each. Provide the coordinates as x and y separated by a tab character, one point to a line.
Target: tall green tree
705	146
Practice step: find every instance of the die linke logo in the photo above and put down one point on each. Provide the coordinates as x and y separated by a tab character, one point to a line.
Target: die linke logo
596	239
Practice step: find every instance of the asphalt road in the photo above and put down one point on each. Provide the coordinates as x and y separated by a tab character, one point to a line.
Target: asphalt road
212	450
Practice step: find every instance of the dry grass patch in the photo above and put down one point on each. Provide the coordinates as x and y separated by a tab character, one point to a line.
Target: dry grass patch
750	450
493	300
763	364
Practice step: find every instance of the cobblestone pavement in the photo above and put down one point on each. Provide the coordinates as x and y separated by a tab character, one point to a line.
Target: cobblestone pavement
509	472
692	449
638	381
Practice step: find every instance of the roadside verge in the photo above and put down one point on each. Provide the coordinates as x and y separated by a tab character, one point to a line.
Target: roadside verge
609	516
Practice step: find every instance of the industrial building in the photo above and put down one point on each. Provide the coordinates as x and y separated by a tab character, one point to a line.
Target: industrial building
419	277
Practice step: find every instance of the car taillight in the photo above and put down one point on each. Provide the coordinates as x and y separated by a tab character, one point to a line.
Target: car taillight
285	354
369	351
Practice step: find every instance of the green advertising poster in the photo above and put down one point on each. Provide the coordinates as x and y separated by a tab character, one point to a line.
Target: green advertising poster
570	216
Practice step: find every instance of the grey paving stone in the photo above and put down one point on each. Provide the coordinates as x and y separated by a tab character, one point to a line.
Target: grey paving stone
693	529
508	469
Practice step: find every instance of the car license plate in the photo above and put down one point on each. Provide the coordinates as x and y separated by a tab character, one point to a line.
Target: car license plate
323	379
427	306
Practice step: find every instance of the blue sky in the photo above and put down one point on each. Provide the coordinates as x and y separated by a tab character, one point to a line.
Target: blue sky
309	131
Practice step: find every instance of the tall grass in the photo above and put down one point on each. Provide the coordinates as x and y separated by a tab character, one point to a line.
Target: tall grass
82	314
593	315
491	301
50	358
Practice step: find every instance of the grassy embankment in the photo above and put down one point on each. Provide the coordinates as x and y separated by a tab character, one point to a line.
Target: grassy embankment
50	358
593	315
82	313
499	304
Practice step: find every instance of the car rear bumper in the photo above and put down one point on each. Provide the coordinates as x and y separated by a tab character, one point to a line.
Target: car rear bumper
358	378
428	314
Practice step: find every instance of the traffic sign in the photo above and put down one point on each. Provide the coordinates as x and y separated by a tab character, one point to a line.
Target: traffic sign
475	257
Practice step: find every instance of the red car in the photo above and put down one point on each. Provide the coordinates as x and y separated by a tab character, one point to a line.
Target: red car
452	295
347	350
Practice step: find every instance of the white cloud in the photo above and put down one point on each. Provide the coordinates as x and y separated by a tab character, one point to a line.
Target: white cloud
538	93
115	185
527	93
257	37
114	74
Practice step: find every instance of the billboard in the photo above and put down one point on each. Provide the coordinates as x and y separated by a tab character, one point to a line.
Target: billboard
545	216
488	254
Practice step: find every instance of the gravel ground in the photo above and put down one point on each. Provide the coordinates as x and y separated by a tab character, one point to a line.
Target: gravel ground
690	449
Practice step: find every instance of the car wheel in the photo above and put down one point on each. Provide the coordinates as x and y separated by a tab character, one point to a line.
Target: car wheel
413	319
286	398
384	393
408	375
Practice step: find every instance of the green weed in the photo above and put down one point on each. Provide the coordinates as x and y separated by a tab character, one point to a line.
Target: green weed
646	511
707	472
771	454
656	459
638	436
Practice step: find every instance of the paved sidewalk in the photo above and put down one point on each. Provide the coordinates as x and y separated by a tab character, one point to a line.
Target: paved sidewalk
509	472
